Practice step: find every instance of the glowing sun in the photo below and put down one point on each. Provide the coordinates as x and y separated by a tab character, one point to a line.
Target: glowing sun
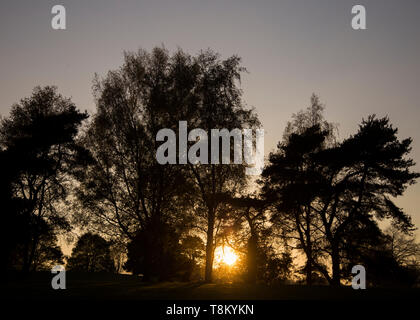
225	255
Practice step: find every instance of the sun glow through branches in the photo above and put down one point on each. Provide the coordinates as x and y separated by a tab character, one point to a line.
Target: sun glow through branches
225	255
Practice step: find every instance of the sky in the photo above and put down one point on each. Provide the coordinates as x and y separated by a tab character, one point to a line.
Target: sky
291	49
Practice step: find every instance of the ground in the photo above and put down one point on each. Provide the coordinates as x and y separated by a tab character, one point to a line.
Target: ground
127	287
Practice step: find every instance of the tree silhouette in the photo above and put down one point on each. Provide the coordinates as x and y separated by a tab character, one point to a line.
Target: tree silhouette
48	253
91	254
332	194
381	264
291	185
125	192
193	247
290	182
219	105
403	247
323	197
155	253
363	173
390	257
126	189
38	145
248	216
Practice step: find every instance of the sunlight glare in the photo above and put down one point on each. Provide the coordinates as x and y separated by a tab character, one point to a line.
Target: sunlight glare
225	255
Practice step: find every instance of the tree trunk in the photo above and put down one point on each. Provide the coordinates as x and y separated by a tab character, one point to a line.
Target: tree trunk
34	246
335	259
252	259
309	281
209	247
309	264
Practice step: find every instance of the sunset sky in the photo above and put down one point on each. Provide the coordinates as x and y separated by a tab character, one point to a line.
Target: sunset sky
290	48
